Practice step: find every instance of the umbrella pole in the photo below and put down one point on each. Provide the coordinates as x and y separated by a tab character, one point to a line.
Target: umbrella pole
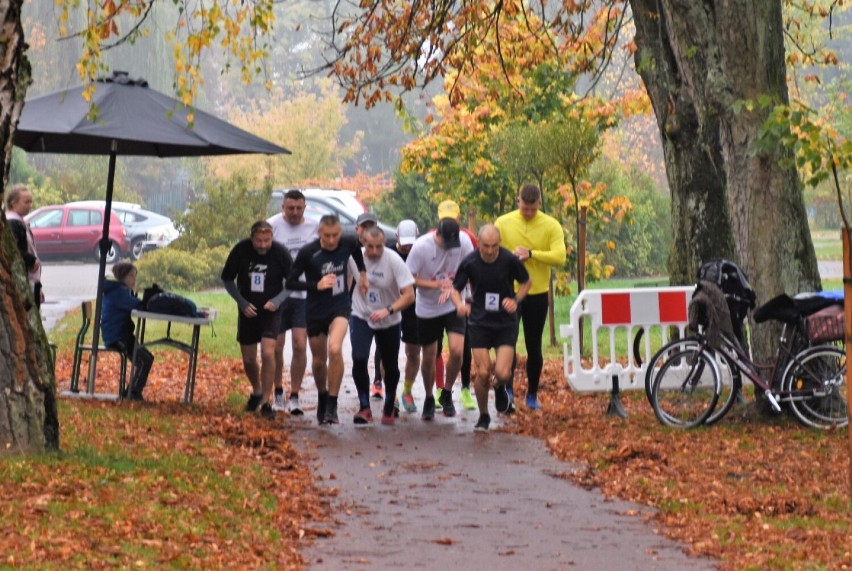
104	248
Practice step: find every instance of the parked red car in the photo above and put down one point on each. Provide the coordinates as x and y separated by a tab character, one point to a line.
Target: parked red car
70	230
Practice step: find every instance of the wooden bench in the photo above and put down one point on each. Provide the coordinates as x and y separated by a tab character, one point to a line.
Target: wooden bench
83	343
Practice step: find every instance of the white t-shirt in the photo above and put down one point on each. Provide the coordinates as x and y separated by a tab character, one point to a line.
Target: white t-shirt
429	262
387	276
293	238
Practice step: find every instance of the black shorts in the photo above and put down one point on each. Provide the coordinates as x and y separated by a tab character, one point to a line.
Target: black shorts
431	329
320	326
250	330
409	325
293	314
490	338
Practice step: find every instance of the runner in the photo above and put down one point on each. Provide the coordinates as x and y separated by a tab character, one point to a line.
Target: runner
324	263
292	230
406	234
364	222
491	272
538	241
259	266
433	261
376	313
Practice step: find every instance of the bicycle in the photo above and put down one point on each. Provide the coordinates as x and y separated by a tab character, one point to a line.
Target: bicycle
685	378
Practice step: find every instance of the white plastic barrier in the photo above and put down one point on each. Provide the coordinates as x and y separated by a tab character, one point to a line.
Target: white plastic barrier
631	310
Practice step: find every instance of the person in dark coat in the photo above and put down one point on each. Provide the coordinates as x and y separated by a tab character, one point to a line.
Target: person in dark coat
117	326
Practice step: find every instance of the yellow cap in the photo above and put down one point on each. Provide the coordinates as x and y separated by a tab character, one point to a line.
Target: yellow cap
448	209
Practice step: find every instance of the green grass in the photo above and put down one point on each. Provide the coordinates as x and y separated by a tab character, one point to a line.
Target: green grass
827	244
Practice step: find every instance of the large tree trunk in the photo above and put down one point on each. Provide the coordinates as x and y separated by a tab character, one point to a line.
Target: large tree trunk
28	416
696	58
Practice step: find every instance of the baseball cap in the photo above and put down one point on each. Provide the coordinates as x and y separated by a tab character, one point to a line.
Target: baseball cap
448	209
407	232
448	229
366	217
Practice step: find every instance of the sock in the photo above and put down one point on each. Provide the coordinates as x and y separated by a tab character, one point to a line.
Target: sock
294	395
332	400
279	391
407	386
322	399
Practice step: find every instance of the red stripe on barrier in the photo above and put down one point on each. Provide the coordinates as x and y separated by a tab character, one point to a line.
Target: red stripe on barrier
672	307
615	308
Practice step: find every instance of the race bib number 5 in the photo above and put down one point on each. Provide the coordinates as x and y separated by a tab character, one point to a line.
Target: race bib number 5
258	280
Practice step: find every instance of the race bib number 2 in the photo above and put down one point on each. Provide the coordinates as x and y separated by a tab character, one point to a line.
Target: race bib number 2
258	280
492	301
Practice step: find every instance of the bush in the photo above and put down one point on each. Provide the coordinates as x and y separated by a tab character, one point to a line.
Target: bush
179	270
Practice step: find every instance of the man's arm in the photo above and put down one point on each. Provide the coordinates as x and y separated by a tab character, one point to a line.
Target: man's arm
555	254
293	283
358	257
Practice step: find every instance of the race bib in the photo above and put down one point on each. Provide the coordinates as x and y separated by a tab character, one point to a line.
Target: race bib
258	280
372	298
339	286
492	301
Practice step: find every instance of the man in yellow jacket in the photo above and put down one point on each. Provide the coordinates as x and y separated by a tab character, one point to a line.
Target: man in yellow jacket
538	241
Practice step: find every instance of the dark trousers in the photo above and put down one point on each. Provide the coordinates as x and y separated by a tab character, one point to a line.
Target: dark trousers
387	344
142	364
533	314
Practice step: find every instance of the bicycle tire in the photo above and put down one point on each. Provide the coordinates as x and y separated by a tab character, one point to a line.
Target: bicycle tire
685	390
730	391
822	367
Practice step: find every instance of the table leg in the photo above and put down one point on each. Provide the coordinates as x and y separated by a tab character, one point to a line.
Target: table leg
189	393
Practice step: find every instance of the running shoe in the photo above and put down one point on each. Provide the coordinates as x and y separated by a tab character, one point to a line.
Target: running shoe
378	393
396	408
483	423
278	403
428	409
253	402
322	401
331	413
501	399
408	402
267	412
447	403
532	402
363	416
295	408
466	399
387	419
438	398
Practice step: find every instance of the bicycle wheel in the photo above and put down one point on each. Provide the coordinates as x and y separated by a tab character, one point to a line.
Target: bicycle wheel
731	378
686	388
815	387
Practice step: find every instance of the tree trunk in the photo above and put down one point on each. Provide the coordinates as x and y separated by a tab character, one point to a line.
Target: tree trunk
696	58
28	416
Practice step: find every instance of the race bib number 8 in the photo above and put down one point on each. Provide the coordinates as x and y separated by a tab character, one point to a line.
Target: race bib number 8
258	280
492	301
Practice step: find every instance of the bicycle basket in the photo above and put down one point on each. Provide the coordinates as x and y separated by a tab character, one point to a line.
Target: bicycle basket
826	325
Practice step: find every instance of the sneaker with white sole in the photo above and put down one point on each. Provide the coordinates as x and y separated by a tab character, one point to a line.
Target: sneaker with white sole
446	401
294	407
483	423
278	404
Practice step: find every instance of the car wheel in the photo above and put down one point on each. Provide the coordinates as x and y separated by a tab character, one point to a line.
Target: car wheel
112	254
137	249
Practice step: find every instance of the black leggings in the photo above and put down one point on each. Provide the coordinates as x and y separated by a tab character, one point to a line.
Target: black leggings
141	366
533	312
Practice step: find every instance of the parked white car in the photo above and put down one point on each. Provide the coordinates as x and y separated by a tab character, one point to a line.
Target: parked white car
146	230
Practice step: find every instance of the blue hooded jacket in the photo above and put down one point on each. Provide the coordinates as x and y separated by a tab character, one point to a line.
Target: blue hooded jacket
116	323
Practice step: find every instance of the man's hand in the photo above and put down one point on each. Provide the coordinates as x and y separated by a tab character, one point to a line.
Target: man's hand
379	314
327	282
363	283
463	310
510	305
522	253
250	311
446	290
269	306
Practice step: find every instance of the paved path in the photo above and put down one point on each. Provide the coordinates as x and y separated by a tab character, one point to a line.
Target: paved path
437	495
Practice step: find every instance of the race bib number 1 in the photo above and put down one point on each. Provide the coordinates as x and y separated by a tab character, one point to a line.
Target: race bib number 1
492	301
258	280
338	287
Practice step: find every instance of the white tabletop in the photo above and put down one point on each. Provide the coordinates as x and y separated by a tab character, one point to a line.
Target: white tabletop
173	318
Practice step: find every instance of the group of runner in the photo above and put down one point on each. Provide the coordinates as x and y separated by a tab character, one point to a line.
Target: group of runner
303	276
